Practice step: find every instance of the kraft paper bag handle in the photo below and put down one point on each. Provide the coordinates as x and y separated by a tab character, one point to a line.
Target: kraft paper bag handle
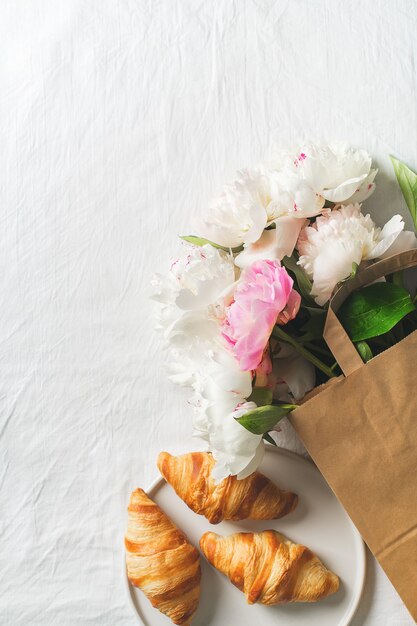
334	334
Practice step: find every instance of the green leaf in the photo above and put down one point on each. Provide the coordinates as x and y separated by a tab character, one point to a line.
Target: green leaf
407	180
398	278
261	396
303	281
364	350
200	241
374	310
313	310
354	269
269	439
314	327
264	418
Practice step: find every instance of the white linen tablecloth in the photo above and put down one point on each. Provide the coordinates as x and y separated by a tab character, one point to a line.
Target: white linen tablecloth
119	120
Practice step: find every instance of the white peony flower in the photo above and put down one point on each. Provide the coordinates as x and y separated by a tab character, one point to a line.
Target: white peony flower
197	278
192	341
198	286
255	200
291	378
345	236
221	390
192	298
221	398
286	186
295	186
236	450
239	214
335	172
220	386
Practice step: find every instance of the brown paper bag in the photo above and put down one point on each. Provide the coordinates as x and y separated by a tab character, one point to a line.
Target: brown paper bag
361	431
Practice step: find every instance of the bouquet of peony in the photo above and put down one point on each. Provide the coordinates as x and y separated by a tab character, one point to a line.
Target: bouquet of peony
242	308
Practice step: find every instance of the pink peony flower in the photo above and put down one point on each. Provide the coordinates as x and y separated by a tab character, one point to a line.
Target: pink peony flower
291	308
263	297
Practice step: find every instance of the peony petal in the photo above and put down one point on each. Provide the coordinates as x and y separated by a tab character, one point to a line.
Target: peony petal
307	202
287	232
366	189
345	190
273	244
265	248
233	446
406	240
291	309
387	236
332	266
262	293
253	465
221	234
298	373
259	221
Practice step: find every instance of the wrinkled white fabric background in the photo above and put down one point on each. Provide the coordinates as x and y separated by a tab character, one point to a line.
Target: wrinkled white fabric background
119	120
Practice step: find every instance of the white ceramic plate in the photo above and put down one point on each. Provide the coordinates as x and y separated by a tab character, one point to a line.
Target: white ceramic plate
319	522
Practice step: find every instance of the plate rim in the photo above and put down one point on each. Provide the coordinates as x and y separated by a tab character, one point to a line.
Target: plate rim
361	549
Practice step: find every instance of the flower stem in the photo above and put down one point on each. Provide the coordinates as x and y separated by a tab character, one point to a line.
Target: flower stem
313	347
280	334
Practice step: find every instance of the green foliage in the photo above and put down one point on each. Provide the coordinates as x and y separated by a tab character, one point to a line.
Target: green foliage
269	439
200	241
374	310
261	396
364	350
302	280
264	418
407	179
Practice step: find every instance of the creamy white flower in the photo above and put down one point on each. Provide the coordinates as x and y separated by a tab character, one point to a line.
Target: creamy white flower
236	450
217	405
220	393
336	172
285	193
287	185
220	381
256	199
193	340
345	236
198	358
406	240
192	297
197	278
291	378
238	215
197	287
297	185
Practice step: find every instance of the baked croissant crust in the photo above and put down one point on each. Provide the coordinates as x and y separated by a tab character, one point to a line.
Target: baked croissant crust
269	568
161	561
254	497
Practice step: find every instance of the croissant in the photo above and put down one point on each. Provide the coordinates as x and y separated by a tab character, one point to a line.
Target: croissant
161	561
254	497
269	568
